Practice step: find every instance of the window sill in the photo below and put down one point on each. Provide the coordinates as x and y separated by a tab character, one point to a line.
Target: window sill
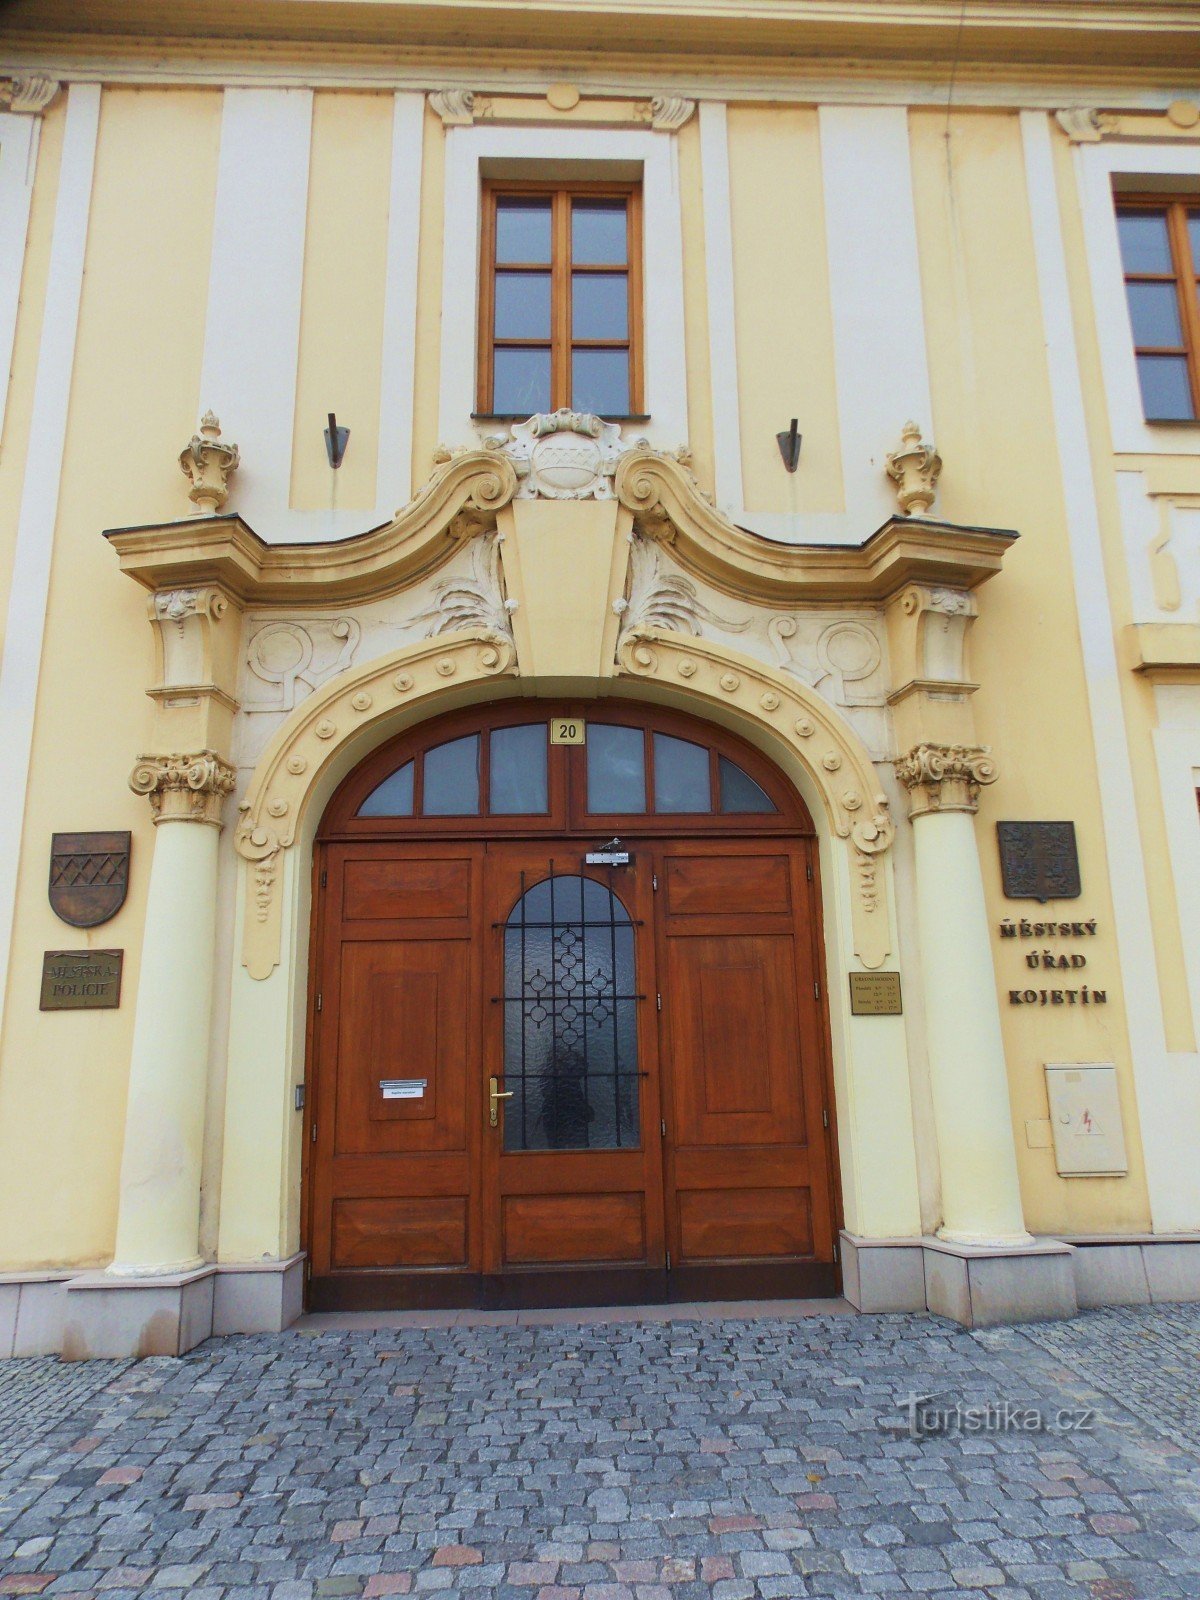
523	416
1173	422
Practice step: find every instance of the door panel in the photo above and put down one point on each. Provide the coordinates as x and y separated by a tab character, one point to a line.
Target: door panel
747	1166
572	1031
394	1167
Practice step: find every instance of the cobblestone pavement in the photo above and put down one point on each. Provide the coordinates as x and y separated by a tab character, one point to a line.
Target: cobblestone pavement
687	1460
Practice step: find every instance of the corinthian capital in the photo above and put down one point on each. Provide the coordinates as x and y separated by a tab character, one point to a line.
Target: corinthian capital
189	788
945	777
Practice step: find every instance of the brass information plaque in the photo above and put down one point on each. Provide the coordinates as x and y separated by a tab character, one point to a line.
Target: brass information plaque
568	730
875	994
81	980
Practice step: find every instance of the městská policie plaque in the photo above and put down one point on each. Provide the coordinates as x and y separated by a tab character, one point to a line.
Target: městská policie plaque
81	980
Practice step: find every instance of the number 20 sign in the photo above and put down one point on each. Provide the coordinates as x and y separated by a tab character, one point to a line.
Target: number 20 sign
567	730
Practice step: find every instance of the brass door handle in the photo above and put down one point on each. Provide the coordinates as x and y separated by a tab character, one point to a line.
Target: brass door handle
495	1095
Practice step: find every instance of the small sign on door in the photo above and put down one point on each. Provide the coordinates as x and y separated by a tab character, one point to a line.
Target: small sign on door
403	1088
568	730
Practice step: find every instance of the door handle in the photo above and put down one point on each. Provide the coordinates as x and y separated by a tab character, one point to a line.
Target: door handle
495	1095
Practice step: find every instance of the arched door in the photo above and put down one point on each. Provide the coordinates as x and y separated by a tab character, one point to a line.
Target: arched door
568	1041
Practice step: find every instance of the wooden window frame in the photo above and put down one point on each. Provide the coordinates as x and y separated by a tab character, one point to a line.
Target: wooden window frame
561	343
1185	272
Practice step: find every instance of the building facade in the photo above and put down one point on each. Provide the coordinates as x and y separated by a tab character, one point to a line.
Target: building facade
601	681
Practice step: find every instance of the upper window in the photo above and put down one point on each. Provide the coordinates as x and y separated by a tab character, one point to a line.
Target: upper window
560	306
1160	253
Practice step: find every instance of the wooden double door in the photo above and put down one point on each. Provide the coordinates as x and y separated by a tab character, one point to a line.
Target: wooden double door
539	1076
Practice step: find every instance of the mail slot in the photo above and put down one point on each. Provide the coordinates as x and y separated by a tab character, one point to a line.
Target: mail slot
403	1088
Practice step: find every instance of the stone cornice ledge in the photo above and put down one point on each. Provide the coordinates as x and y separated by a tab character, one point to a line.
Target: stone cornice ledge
667	505
1165	649
463	498
460	500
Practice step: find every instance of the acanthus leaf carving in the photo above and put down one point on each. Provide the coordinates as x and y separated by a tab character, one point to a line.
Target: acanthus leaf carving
667	113
660	600
459	107
28	93
477	601
945	777
1084	124
184	788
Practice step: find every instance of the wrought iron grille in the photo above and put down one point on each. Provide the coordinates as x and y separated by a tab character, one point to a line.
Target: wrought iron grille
570	1019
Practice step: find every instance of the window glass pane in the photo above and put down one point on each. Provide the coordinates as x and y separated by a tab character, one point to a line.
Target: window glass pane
1145	246
517	777
616	767
681	776
522	305
599	305
523	230
570	1020
452	779
1193	222
598	233
1154	311
600	382
1166	394
521	381
393	797
739	792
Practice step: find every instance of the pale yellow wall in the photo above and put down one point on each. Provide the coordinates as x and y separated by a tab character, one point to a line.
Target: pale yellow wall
133	405
133	398
995	430
781	307
341	318
15	440
1136	691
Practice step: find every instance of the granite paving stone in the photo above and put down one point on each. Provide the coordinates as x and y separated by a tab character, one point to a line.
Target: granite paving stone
715	1458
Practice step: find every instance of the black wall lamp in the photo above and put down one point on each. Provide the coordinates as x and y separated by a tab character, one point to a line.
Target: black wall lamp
789	445
336	440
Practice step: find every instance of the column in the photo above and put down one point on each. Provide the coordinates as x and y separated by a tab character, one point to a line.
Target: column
159	1218
981	1200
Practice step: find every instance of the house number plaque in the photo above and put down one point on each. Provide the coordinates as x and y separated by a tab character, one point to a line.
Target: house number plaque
81	980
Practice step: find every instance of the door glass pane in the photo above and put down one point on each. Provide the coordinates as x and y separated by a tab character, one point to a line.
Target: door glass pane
616	769
521	382
739	792
1166	393
1145	246
393	797
1154	312
1193	222
452	779
523	230
599	233
517	778
522	305
570	1020
681	775
600	382
599	305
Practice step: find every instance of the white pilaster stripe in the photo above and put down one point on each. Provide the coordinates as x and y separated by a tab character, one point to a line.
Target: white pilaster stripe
18	159
252	330
1168	1125
722	333
875	290
26	625
394	474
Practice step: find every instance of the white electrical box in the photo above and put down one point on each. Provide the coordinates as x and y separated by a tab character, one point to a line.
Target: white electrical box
1085	1117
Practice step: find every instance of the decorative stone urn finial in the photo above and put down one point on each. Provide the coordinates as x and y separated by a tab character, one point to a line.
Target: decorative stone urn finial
207	460
914	468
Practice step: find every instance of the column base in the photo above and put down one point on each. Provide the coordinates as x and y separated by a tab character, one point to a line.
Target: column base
975	1285
112	1316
